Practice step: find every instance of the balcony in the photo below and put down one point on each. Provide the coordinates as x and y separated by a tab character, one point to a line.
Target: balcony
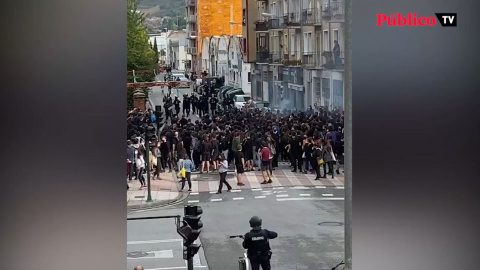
191	3
262	26
191	19
192	50
311	16
192	35
312	60
292	19
292	58
276	57
274	23
335	12
330	62
263	57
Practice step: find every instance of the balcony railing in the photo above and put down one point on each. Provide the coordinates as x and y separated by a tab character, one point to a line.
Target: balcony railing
192	34
335	12
292	19
331	62
192	50
190	3
263	57
274	23
276	57
312	59
292	58
192	18
262	25
311	16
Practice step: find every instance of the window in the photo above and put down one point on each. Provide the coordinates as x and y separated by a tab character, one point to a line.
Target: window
307	43
292	44
285	44
262	42
335	35
249	77
326	41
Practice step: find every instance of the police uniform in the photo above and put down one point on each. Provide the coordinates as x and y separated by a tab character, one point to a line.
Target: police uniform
257	244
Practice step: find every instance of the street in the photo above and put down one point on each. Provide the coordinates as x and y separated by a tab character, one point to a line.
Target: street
307	214
308	219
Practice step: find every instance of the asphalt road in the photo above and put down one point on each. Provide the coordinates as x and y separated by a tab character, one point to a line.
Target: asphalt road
310	229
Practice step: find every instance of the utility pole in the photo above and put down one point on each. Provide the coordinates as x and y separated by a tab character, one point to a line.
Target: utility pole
149	135
348	134
147	145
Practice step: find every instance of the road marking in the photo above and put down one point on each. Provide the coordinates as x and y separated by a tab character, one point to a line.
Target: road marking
320	187
179	267
260	197
300	188
194	201
340	187
213	192
305	195
193	193
216	200
327	195
278	188
281	195
256	189
212	185
153	241
161	254
238	198
310	199
235	190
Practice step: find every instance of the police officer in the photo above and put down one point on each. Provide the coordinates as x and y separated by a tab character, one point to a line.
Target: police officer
257	244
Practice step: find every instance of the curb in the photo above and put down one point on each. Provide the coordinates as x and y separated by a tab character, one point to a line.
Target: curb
180	198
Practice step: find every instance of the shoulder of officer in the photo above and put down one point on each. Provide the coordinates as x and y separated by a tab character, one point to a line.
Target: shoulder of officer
271	234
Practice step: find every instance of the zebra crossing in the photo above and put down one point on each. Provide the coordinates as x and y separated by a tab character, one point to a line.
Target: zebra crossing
208	183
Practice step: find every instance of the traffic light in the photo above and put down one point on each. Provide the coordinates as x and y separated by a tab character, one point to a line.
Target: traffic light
150	133
190	231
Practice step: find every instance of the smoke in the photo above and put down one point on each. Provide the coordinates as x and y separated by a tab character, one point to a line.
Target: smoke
286	104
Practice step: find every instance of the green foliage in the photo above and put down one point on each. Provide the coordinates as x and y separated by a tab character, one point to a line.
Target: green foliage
140	55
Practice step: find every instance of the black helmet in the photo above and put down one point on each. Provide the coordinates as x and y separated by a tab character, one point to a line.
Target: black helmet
255	222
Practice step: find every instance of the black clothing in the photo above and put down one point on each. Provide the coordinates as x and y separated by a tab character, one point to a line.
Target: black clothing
258	247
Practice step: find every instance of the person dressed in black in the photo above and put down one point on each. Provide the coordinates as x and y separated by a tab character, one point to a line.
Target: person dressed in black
186	105
257	244
213	104
194	102
177	102
239	165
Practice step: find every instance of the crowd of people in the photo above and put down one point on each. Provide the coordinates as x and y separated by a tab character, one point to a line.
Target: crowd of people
230	138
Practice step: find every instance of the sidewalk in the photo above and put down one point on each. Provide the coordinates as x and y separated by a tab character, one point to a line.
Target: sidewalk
163	191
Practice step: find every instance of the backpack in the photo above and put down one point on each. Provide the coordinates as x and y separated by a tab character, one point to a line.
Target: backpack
153	118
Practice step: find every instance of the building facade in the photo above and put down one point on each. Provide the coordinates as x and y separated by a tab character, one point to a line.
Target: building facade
207	19
296	48
177	50
161	45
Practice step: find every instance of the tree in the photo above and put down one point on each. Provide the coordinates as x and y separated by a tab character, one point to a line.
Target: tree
155	48
140	55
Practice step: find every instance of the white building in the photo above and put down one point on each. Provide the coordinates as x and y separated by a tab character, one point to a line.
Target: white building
222	56
177	51
161	45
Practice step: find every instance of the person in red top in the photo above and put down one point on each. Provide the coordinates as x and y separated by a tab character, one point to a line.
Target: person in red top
265	154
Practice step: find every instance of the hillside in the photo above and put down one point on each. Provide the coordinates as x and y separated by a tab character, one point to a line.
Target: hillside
162	8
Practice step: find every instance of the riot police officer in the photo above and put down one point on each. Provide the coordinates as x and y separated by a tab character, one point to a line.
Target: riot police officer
257	244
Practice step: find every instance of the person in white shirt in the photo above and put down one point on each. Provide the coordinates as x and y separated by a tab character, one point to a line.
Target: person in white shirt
140	162
223	169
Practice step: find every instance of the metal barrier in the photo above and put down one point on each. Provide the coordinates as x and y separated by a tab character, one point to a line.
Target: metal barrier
244	263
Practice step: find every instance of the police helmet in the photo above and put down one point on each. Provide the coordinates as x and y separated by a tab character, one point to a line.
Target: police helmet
255	222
